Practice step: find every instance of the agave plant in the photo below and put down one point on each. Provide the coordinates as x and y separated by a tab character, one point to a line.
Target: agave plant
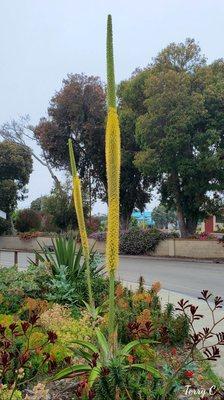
101	361
61	290
67	253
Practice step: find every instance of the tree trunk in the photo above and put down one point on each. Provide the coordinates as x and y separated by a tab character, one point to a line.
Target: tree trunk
124	220
191	225
180	213
181	221
13	230
187	225
54	177
90	198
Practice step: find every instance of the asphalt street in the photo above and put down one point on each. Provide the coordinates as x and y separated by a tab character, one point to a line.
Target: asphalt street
184	277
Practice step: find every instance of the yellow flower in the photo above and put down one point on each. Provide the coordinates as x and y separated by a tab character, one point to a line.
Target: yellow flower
144	296
37	306
144	316
119	290
113	158
156	286
77	194
200	378
122	304
113	161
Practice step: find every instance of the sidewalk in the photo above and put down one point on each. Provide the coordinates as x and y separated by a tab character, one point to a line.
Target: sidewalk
173	297
184	259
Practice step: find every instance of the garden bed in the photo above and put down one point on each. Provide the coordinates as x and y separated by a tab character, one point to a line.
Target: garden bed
43	324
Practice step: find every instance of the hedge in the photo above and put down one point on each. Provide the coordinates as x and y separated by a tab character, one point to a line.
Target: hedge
136	241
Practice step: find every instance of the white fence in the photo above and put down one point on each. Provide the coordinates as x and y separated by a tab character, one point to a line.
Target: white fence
8	258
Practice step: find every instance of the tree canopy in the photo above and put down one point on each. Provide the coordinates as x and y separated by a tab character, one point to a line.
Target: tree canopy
78	111
15	169
58	207
163	217
177	103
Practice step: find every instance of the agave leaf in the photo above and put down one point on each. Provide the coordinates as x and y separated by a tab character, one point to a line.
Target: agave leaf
38	257
60	249
88	307
79	265
87	345
81	353
92	310
127	349
69	370
95	311
103	343
94	374
146	367
48	255
102	307
100	270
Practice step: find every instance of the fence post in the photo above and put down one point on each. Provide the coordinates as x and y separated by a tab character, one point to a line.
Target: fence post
36	259
15	257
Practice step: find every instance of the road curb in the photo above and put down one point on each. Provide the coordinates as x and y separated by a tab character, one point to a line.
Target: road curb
178	259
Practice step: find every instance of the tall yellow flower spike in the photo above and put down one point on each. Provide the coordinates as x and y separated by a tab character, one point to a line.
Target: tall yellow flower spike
113	160
77	196
113	179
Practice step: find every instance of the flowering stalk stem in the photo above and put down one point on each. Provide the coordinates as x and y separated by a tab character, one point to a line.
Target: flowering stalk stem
77	195
111	324
111	93
113	182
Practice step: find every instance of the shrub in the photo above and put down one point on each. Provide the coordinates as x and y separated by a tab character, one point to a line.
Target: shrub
16	285
93	224
170	329
59	319
134	307
25	350
5	226
99	236
27	220
140	241
34	306
139	313
42	282
6	394
47	222
38	282
137	241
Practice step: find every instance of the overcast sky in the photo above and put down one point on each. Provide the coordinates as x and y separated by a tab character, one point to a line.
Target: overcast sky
43	40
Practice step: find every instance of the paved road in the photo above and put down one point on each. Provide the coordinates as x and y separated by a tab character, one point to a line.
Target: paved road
185	277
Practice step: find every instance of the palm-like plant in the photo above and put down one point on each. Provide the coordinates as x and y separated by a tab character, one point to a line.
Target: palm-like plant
101	361
66	252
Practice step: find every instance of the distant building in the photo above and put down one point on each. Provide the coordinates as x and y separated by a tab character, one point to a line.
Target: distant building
145	217
2	214
212	224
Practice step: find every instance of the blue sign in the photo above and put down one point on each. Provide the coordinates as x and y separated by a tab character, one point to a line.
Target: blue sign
145	216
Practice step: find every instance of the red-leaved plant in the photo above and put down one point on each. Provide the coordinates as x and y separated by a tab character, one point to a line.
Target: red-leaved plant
16	352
